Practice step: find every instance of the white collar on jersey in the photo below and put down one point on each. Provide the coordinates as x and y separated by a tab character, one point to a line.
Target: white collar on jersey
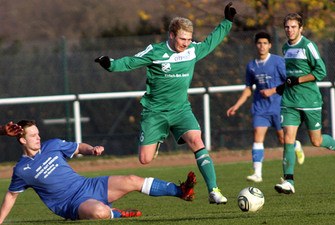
263	61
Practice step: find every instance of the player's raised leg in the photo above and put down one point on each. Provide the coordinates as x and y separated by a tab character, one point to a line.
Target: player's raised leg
146	153
328	142
321	140
118	186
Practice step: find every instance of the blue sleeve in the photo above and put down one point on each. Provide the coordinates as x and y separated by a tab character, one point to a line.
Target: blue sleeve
17	184
67	148
249	78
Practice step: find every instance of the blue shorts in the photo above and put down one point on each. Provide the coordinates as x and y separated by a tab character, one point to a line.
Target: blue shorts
267	121
93	188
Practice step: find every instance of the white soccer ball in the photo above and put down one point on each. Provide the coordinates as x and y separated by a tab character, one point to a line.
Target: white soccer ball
250	199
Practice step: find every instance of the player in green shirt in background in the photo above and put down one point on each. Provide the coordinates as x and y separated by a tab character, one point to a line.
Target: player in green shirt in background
302	100
170	66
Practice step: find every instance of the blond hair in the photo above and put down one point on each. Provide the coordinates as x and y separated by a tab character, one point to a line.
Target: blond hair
180	23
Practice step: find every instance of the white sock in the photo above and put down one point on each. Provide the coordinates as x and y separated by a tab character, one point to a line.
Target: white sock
258	147
147	185
258	168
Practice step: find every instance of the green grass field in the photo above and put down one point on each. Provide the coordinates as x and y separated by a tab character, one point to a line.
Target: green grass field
313	202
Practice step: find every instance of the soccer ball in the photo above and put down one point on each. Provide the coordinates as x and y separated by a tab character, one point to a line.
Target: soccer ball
250	199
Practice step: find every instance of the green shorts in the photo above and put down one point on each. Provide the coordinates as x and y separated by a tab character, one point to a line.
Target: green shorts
295	116
156	126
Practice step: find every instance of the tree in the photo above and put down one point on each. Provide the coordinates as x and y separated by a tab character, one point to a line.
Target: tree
261	14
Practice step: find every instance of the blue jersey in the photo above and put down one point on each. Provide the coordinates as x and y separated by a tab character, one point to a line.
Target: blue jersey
266	74
48	173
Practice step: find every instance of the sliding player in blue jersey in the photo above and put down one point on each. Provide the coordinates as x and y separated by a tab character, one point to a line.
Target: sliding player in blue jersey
266	72
43	167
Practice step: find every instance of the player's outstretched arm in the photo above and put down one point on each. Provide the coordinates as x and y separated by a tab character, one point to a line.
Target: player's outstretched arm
7	205
86	149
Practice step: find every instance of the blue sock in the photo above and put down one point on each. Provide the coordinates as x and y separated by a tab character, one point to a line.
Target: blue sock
257	152
156	187
257	157
116	214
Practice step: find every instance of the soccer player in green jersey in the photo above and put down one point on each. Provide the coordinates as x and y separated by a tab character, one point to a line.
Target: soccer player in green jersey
170	66
302	100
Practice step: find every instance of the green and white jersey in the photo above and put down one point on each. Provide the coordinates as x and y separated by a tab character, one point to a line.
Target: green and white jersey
301	59
169	73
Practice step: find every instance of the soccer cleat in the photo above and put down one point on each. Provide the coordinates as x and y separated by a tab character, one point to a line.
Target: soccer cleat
215	197
285	187
254	178
299	152
127	212
187	187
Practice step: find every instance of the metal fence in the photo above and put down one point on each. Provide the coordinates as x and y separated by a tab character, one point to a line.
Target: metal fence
66	67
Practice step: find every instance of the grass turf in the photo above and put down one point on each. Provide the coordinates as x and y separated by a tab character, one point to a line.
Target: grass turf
313	202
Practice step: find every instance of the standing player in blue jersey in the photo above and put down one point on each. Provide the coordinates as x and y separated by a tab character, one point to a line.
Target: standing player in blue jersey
302	100
166	108
44	168
267	72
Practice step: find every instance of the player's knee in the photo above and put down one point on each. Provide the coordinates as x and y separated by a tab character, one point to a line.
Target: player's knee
195	143
316	142
133	179
133	182
144	159
100	211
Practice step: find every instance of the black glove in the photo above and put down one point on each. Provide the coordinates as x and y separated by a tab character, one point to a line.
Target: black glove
229	12
280	89
104	61
291	81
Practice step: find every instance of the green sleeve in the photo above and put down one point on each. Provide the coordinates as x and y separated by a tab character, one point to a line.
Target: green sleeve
213	39
128	63
318	67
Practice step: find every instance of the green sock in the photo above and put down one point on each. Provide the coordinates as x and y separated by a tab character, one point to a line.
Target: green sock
206	167
289	162
328	142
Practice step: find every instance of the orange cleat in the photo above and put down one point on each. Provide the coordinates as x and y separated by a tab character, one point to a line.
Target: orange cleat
187	187
129	212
